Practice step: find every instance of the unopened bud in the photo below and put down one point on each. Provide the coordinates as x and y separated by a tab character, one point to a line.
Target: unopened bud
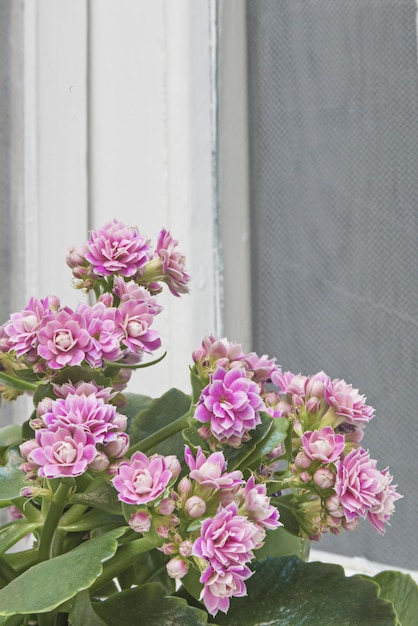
324	478
195	507
177	568
166	506
140	522
302	461
100	462
185	548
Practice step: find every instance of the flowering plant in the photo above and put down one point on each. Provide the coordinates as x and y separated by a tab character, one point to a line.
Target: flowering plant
139	510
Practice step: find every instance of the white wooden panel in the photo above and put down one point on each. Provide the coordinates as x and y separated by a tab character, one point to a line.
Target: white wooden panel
150	151
62	141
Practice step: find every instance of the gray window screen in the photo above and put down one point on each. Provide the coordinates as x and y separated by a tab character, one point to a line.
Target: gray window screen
333	101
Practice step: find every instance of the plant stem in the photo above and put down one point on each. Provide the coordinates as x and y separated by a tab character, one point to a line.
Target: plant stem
160	435
56	506
124	558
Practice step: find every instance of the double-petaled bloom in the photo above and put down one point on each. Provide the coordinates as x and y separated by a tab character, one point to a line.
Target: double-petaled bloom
230	405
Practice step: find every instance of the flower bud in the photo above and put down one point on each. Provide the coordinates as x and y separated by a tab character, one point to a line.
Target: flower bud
185	548
353	525
173	464
166	506
302	461
324	478
334	506
305	477
313	405
140	521
117	447
100	463
195	507
168	548
184	487
177	568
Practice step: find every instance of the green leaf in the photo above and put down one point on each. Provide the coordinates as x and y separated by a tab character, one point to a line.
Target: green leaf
279	542
13	532
104	497
10	435
82	612
149	567
93	519
135	403
160	413
147	606
288	592
402	591
12	479
12	620
46	585
16	383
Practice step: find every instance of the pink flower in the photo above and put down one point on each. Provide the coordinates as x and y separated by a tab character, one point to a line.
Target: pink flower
23	327
227	539
289	383
211	471
323	445
83	388
91	413
63	452
105	336
173	264
117	249
134	319
261	366
220	351
219	587
142	479
256	505
131	291
347	402
64	340
359	484
381	512
231	404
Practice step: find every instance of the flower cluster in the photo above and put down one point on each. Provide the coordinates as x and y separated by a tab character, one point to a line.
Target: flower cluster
329	479
254	440
119	266
210	520
77	431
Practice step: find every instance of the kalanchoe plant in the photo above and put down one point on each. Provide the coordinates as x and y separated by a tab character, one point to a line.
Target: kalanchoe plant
142	511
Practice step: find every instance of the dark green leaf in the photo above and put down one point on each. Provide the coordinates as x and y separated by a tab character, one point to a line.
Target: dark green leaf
149	567
402	590
147	606
288	592
12	620
162	412
104	498
93	519
82	613
135	403
45	586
